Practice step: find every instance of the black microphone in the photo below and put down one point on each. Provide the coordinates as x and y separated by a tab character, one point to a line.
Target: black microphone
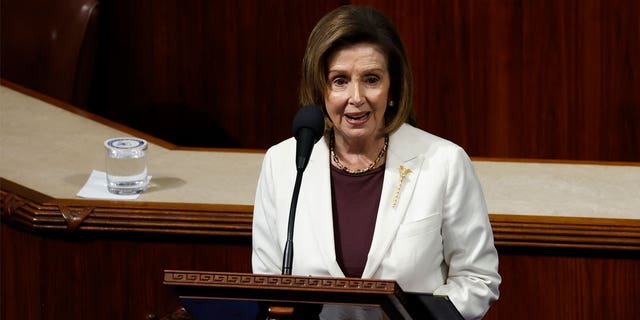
308	127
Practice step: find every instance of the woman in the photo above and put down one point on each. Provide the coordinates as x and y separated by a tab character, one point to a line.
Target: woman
379	198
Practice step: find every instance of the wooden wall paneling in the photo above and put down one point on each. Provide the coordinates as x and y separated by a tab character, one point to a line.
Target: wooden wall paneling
526	79
510	79
620	110
21	276
578	78
94	276
206	73
568	285
561	61
84	278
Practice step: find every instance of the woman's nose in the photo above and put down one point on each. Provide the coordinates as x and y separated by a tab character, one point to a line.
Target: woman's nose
355	97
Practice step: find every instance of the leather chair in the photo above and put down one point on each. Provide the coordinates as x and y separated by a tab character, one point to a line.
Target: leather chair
50	46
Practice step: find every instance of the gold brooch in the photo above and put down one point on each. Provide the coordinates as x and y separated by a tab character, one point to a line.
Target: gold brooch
403	173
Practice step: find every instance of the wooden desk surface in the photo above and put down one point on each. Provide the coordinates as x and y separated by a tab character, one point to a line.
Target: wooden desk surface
51	150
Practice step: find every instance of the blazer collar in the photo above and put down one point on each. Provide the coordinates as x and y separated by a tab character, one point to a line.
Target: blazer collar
318	201
401	174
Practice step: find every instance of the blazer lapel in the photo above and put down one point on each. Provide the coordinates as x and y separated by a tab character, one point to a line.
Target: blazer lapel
317	180
396	195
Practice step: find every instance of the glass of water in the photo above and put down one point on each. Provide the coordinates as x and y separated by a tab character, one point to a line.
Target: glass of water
126	165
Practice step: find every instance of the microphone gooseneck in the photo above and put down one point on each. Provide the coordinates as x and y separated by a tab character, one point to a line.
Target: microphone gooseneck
308	127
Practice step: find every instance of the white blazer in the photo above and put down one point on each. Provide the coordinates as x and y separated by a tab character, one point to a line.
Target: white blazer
435	239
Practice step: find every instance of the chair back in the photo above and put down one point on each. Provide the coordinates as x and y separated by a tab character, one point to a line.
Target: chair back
50	46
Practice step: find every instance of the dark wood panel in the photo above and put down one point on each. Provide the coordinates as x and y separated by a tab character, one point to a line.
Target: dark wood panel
517	79
205	73
21	278
97	276
530	79
567	284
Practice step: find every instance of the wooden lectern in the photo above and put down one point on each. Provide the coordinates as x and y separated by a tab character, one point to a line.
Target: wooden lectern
221	295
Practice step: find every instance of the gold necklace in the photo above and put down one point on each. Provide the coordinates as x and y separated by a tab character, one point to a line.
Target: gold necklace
340	166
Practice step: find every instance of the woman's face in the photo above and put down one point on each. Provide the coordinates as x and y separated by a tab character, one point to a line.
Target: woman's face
358	92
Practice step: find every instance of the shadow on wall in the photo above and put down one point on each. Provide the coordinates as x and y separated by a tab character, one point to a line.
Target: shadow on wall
180	125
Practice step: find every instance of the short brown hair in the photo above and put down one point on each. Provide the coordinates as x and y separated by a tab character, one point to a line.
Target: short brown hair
348	25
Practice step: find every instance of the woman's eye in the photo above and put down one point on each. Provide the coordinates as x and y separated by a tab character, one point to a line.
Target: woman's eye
372	79
339	81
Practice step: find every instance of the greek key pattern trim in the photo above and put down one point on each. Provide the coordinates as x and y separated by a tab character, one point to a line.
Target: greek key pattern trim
277	281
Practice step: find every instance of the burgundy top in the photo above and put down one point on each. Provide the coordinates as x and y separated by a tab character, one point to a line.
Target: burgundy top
355	199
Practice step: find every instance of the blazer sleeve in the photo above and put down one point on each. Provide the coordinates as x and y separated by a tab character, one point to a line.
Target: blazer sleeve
266	257
472	279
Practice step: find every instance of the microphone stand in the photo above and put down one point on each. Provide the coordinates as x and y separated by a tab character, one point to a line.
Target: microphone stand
287	262
308	126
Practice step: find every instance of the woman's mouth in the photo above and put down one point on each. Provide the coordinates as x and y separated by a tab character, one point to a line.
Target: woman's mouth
357	118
